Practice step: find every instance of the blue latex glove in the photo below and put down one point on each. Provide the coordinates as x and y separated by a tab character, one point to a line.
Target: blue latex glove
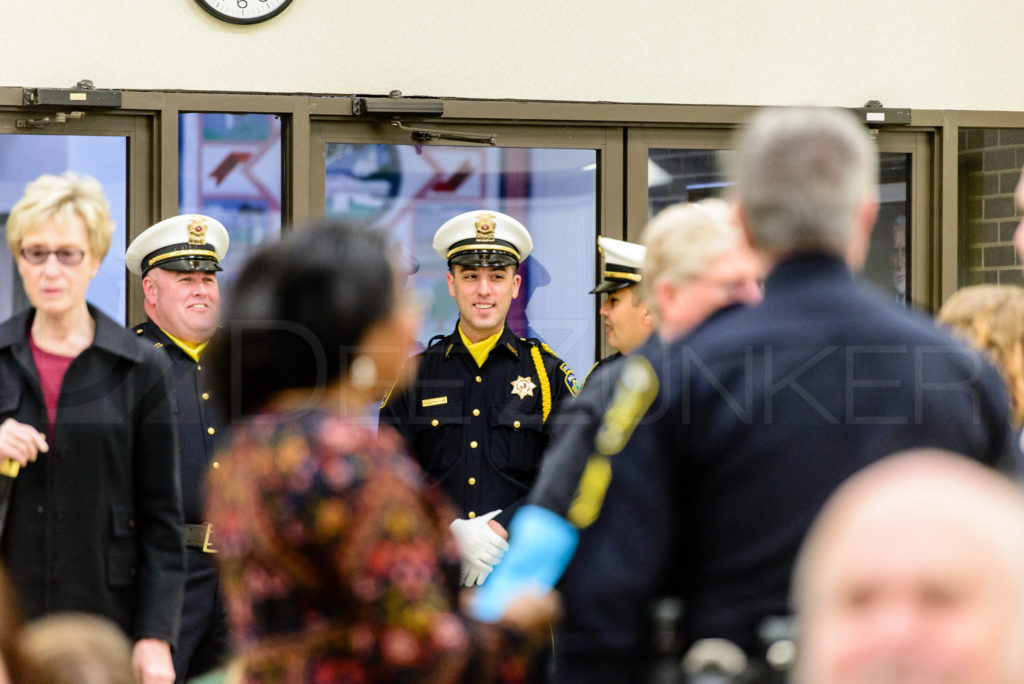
542	544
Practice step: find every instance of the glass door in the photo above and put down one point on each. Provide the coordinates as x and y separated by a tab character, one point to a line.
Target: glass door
553	180
667	166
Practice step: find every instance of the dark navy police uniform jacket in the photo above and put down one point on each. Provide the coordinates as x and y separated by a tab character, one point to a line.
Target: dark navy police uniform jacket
203	641
481	431
756	418
199	424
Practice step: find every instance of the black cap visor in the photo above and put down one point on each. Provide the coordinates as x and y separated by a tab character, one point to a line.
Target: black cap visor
189	264
612	286
182	257
483	257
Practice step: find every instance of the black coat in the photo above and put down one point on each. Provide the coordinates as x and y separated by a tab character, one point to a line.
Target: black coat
95	524
577	421
759	415
481	431
202	643
195	416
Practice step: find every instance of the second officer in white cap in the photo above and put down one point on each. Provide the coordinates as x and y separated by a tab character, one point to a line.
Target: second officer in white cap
178	260
476	417
627	320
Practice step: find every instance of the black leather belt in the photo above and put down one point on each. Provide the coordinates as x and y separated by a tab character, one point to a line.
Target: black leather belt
200	537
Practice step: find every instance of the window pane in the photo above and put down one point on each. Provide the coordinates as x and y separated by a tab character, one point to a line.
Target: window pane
888	262
23	158
229	167
410	191
681	175
990	160
684	176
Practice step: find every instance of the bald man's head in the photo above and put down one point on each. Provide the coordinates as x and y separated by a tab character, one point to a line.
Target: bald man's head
914	571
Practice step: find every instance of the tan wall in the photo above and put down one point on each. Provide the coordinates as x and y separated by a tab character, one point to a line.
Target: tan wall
913	53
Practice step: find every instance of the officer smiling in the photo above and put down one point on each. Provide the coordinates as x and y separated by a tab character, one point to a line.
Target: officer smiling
476	418
178	260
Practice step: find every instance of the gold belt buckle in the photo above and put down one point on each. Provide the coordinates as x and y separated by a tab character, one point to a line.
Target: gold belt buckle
207	546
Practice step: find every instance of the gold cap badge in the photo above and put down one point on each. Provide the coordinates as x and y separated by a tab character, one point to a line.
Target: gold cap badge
485	227
197	232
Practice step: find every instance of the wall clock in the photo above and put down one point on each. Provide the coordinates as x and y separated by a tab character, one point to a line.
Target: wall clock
244	11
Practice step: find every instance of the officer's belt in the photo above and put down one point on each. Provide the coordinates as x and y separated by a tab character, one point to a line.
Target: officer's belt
200	537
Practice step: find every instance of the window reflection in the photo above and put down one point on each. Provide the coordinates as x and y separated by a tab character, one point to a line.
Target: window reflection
23	158
675	175
681	175
888	262
229	167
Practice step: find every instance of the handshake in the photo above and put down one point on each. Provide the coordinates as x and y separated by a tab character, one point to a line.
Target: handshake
480	545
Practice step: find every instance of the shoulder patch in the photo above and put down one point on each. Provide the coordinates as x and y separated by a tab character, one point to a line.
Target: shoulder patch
571	383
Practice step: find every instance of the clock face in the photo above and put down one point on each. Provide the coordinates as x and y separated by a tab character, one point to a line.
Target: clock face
244	11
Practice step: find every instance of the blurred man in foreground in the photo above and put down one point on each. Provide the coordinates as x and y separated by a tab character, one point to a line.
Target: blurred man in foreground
914	572
722	448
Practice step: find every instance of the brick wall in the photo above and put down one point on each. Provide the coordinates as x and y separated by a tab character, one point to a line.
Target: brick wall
990	164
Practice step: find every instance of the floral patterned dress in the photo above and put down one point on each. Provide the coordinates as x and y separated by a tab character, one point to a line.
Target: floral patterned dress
337	563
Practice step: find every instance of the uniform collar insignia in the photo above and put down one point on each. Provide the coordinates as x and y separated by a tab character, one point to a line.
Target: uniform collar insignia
523	387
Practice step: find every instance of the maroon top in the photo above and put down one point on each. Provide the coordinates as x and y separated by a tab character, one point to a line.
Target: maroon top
51	369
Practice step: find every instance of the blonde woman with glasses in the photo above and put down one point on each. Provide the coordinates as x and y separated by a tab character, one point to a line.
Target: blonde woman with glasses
92	502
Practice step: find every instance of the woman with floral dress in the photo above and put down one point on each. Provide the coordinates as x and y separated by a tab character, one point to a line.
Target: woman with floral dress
336	558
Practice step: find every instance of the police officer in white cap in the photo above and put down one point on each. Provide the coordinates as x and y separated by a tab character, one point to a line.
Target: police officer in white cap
627	320
178	260
477	416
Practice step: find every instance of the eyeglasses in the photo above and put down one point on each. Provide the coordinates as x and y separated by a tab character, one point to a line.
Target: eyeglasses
39	255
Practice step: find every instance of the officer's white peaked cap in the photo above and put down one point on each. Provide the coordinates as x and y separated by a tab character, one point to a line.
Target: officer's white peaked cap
483	238
622	264
189	242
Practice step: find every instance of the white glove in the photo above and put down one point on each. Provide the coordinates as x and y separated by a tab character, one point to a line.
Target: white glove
474	573
480	546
